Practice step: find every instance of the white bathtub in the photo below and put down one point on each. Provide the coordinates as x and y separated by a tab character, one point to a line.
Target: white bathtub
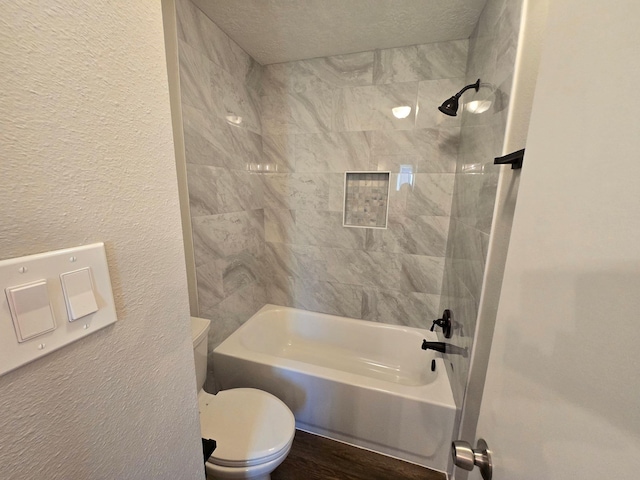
364	383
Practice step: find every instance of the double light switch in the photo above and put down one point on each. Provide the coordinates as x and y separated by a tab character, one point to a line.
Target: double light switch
31	309
45	296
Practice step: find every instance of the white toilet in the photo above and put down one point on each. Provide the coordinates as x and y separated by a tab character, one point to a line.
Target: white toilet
253	429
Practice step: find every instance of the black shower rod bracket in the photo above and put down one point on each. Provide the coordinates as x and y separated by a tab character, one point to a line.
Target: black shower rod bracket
514	159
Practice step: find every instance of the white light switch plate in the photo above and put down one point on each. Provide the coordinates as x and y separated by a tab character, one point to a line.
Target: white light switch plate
49	266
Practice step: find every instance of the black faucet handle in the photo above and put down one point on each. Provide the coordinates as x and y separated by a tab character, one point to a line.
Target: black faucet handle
445	322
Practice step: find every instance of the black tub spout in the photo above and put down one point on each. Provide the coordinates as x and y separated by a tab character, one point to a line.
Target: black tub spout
445	348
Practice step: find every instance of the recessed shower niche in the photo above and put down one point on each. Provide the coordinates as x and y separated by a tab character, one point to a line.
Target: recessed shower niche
366	199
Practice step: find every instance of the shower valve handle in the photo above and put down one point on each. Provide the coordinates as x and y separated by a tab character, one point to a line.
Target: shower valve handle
445	322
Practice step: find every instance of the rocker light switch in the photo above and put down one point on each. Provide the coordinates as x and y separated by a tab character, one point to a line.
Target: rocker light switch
30	310
37	292
77	287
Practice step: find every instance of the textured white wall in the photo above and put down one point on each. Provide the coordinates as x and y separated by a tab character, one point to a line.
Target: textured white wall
86	155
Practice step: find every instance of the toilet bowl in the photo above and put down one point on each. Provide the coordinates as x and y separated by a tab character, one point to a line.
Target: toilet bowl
253	429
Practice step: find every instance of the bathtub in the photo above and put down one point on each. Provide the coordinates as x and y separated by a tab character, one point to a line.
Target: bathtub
360	382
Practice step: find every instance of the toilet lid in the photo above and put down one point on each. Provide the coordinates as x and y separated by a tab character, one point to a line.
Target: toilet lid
249	426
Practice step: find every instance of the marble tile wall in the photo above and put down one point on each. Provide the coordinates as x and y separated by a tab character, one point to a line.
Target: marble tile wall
492	51
221	109
277	237
324	116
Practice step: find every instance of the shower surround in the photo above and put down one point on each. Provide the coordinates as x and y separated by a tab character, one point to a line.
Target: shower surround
266	151
218	79
324	116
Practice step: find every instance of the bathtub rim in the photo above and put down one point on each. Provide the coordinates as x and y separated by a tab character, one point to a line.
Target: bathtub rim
437	392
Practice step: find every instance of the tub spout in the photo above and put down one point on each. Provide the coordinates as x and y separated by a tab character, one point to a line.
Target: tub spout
445	348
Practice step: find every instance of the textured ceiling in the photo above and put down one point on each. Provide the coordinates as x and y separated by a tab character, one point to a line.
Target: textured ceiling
274	31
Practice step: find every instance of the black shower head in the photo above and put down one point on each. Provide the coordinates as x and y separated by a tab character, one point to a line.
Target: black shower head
450	106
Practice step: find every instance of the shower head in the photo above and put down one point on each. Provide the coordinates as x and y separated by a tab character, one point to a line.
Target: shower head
450	106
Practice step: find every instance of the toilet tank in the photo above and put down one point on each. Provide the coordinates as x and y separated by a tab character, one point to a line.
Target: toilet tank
199	334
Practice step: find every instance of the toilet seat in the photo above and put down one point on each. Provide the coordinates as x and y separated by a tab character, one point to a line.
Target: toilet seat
251	427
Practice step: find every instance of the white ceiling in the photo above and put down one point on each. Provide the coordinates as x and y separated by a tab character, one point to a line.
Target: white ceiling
274	31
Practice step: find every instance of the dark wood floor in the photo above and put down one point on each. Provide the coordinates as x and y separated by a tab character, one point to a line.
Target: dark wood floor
318	458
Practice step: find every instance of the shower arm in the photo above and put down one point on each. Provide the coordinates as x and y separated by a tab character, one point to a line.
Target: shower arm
473	85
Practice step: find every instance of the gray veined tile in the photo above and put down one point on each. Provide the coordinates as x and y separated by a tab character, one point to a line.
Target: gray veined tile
402	142
233	98
445	59
358	267
297	112
435	149
195	77
346	70
247	147
281	262
279	225
211	141
507	30
467	242
195	28
278	78
399	193
417	235
421	62
208	139
470	274
477	148
399	308
239	190
201	182
323	228
239	64
482	59
216	74
218	190
276	191
191	25
280	291
487	201
422	274
311	262
209	284
442	155
199	150
220	236
233	311
401	164
254	79
370	108
320	73
296	191
328	297
468	256
240	270
278	152
431	195
475	198
466	194
332	152
336	192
